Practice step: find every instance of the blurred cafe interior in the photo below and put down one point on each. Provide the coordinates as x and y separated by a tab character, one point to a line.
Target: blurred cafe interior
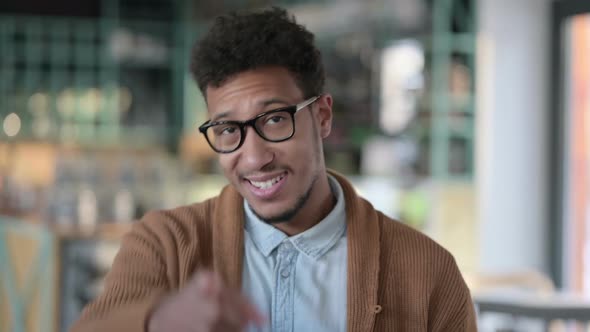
466	119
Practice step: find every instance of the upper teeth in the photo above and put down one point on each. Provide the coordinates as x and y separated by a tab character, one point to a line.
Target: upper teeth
266	184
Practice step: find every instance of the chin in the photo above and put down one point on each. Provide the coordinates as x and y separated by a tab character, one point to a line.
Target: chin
275	218
282	214
268	213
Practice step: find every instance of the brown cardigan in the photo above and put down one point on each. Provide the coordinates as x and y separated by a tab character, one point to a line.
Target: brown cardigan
398	279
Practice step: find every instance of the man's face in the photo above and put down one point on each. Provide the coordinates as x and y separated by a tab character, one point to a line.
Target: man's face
275	178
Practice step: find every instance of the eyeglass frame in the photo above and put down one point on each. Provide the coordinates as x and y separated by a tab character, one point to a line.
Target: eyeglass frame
292	110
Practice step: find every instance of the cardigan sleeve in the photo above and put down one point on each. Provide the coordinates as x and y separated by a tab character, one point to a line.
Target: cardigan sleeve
451	307
136	283
470	321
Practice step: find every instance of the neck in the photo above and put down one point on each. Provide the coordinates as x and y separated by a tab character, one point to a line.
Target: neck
319	204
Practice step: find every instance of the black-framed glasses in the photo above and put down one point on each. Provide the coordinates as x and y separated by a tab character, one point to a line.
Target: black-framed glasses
274	126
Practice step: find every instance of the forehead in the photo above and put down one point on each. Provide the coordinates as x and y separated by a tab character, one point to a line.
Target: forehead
250	91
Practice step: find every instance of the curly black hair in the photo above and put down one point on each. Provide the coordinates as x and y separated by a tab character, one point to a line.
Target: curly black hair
239	42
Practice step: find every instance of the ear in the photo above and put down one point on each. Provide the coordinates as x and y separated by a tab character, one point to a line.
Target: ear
324	114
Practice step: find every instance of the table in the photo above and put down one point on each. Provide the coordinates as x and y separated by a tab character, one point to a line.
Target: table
546	307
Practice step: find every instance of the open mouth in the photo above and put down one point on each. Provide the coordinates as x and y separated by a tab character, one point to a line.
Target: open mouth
267	188
268	183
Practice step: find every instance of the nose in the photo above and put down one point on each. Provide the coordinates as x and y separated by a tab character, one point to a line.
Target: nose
254	152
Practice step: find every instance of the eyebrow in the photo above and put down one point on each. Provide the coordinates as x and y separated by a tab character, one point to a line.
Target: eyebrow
264	103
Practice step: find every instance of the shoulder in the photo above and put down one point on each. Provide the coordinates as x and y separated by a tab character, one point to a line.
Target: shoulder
177	224
401	240
416	262
181	214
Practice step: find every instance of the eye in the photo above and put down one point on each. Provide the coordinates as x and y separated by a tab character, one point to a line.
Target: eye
225	130
229	130
275	119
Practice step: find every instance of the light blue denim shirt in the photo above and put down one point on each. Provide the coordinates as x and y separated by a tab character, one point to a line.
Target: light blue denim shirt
298	282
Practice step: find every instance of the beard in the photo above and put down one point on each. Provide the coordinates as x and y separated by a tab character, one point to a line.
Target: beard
290	213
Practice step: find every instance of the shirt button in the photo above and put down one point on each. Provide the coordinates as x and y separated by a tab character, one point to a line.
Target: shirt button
377	309
287	246
285	273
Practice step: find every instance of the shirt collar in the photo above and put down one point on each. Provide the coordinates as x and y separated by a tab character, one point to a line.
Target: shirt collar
314	242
